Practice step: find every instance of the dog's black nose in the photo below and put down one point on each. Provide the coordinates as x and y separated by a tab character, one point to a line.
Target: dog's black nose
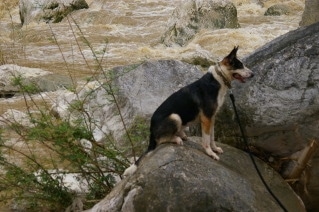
251	75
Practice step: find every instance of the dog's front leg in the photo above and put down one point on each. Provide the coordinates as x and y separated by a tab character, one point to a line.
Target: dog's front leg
212	138
206	136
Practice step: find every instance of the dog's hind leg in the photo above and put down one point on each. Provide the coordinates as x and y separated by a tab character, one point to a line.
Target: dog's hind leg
206	136
178	122
212	138
169	130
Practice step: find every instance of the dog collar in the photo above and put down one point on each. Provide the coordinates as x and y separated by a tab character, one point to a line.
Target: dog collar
219	72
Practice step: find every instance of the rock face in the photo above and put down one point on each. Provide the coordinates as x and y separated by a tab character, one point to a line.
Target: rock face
184	178
43	80
310	14
138	94
280	105
48	10
193	15
144	82
10	71
284	92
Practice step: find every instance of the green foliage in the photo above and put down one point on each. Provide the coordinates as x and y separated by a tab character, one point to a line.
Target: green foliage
49	146
139	133
39	189
25	87
35	158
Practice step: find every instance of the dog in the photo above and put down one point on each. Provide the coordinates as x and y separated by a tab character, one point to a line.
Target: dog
199	100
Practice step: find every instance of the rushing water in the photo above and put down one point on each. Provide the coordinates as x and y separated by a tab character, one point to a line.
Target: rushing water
122	32
133	30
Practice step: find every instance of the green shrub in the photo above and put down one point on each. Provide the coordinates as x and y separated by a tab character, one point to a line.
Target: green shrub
35	158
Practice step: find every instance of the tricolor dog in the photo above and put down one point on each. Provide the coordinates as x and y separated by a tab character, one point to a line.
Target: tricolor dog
199	100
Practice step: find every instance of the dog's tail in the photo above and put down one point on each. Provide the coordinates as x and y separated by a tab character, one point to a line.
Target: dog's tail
151	146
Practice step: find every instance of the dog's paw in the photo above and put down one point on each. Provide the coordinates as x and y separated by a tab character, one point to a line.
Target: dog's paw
211	154
182	135
218	150
178	140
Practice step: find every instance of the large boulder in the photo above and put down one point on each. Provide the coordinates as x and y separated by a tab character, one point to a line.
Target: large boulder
193	15
184	178
280	105
142	84
310	14
48	10
139	90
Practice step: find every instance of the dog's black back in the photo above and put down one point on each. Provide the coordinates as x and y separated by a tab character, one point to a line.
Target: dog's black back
188	102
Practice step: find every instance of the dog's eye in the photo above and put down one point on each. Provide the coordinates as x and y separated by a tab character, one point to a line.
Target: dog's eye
236	64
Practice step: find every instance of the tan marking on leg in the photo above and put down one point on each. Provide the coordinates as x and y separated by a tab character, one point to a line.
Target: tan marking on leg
206	136
205	123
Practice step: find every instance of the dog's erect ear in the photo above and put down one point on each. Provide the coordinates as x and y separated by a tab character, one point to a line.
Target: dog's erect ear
228	60
233	53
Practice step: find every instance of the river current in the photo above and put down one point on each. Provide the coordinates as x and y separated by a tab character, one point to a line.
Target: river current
123	32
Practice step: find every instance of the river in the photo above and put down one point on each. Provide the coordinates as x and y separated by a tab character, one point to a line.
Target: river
133	30
122	32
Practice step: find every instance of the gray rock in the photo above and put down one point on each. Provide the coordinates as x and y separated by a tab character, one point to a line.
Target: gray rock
277	10
52	82
141	84
280	105
199	57
41	79
139	90
48	10
310	14
193	15
184	178
9	72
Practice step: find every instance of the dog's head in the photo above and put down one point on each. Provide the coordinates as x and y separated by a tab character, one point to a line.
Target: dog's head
235	69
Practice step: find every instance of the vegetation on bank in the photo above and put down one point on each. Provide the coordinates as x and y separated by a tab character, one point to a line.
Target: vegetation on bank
40	152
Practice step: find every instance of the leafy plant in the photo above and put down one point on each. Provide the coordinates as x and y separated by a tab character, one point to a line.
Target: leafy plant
39	154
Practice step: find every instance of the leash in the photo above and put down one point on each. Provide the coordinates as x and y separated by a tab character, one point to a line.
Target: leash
231	95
